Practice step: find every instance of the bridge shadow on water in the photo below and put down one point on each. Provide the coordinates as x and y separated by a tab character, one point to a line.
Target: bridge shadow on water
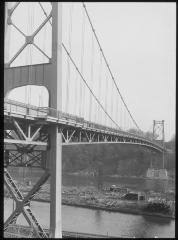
157	220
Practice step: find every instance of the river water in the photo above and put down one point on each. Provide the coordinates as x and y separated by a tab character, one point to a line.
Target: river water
104	222
100	222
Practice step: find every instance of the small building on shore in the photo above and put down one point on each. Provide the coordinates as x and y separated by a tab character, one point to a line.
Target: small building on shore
134	196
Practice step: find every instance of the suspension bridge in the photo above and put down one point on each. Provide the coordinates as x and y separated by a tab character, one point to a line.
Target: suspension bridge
83	104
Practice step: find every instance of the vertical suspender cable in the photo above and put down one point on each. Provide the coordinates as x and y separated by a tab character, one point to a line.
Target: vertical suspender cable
124	120
86	84
113	79
99	92
44	49
82	88
68	63
27	55
67	87
67	82
111	100
128	123
117	120
106	94
92	63
121	114
31	49
70	48
30	53
76	95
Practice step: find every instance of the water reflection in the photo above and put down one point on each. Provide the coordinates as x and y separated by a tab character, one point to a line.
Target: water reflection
102	222
98	218
160	220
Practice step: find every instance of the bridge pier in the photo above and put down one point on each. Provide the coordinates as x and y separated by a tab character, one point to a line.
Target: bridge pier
54	158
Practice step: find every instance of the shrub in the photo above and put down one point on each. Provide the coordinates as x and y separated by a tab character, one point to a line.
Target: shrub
162	207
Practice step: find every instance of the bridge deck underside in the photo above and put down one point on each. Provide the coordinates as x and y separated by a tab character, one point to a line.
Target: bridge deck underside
73	132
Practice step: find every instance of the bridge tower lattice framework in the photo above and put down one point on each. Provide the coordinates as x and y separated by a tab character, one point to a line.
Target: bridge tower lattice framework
158	132
36	136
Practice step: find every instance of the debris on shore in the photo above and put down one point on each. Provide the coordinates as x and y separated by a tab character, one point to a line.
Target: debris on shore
112	199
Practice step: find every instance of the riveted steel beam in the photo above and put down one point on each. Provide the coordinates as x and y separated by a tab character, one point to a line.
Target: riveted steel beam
23	142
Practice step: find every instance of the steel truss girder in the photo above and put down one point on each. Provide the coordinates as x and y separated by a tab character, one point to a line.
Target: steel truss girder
25	142
67	134
79	135
23	203
21	139
72	135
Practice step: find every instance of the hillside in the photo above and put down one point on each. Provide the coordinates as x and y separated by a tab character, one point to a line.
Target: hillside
114	158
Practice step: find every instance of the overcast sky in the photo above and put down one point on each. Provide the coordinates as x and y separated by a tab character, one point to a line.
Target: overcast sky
139	41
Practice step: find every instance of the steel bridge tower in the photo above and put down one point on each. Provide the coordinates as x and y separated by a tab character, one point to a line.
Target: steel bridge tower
33	136
158	135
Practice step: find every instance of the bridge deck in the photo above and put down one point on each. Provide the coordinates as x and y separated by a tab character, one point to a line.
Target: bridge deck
52	116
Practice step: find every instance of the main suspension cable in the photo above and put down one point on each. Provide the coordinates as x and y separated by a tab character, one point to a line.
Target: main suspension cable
88	85
84	6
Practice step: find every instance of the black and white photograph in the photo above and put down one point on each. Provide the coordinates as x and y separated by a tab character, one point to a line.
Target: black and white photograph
89	119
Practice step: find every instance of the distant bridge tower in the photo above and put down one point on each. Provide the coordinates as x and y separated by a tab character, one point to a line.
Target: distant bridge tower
158	135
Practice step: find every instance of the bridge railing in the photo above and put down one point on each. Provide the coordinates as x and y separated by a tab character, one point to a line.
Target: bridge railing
26	109
43	112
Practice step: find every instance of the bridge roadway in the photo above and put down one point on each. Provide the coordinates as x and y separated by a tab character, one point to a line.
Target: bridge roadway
75	130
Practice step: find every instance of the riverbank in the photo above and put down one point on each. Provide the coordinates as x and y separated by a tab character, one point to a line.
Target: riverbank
86	173
90	197
123	210
110	209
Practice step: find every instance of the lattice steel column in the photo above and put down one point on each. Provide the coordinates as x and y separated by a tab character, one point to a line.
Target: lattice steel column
49	75
158	134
